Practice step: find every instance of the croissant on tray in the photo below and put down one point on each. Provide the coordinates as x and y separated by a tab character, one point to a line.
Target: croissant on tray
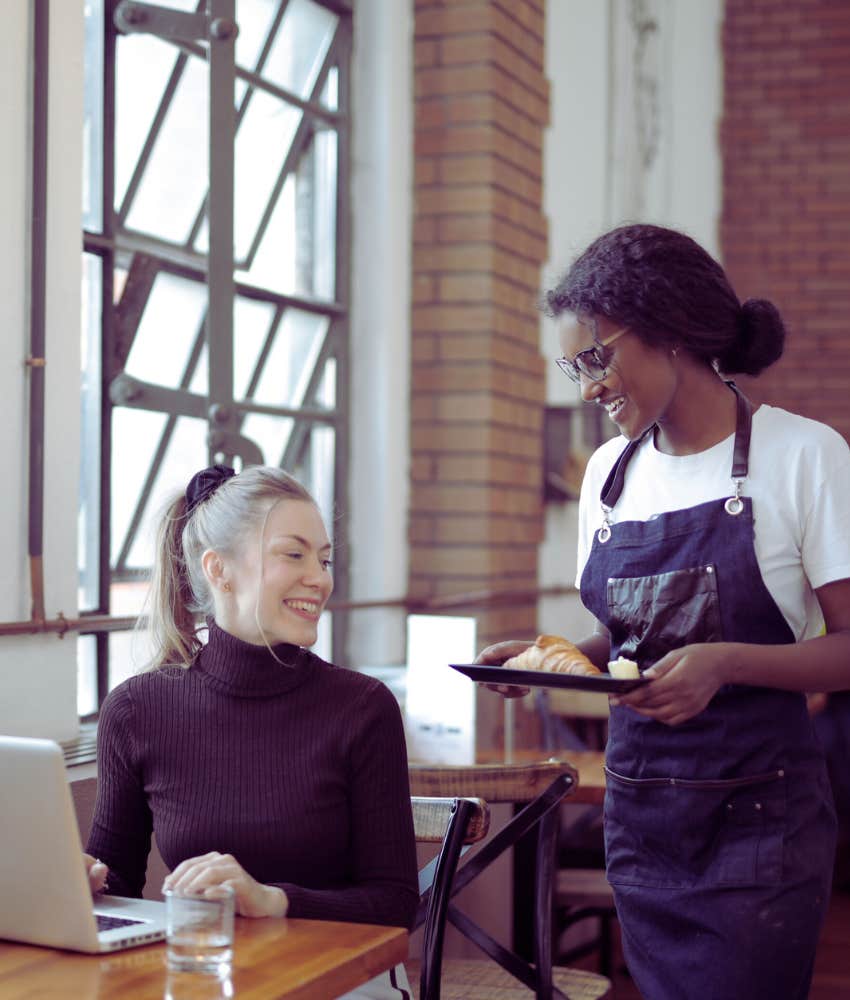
551	652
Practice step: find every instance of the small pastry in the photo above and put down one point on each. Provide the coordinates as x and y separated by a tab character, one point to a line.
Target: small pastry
623	669
552	653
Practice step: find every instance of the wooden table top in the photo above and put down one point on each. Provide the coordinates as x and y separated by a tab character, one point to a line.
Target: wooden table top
589	765
296	959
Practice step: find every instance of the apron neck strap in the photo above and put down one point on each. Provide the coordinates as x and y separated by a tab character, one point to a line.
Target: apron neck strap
743	429
613	485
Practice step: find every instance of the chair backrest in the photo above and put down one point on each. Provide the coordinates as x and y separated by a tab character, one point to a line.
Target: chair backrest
496	782
452	823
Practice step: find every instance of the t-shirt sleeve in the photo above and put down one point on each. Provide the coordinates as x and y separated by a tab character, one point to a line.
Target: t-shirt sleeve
383	885
825	548
589	511
121	828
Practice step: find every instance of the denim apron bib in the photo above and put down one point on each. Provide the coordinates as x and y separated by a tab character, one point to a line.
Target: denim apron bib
720	832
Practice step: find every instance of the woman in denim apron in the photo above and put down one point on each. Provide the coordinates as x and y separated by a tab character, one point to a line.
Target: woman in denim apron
715	551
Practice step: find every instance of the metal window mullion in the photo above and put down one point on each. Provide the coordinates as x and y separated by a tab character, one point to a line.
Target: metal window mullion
303	134
342	294
220	276
243	107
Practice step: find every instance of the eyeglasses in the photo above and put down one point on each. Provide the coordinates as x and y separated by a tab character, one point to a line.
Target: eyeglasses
593	363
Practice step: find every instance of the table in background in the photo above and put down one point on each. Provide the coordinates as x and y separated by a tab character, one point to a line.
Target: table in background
589	765
295	959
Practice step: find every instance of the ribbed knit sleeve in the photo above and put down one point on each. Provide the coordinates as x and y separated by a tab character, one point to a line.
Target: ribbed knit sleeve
383	881
121	829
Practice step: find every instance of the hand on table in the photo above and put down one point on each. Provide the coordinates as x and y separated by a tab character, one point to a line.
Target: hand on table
496	655
683	683
203	875
97	872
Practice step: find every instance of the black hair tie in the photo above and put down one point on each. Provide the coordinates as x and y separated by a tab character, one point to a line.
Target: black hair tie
204	483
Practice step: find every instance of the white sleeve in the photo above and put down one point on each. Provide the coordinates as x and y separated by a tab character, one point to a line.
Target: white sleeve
589	512
585	539
825	514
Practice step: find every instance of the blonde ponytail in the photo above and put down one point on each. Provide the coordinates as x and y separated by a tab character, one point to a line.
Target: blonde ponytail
171	603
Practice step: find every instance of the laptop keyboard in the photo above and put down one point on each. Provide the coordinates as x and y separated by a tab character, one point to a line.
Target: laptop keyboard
105	923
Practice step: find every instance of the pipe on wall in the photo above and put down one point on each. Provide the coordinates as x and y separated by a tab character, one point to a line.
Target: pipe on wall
38	279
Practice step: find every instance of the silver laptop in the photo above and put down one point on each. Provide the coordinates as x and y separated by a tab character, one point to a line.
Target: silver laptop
44	891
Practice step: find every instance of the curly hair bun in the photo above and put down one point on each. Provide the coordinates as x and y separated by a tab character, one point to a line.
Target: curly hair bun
760	340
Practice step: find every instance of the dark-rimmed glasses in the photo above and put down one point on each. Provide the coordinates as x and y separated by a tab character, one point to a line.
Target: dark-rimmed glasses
591	362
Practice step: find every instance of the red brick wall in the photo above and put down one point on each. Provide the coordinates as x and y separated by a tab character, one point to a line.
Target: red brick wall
480	239
785	228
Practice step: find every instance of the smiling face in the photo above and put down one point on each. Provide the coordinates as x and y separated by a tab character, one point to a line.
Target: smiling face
273	588
641	381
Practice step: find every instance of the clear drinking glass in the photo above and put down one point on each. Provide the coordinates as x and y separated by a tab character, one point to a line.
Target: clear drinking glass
199	931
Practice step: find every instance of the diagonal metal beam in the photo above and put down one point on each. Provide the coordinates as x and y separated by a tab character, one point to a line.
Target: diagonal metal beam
262	357
303	134
128	312
311	107
158	456
299	437
163	107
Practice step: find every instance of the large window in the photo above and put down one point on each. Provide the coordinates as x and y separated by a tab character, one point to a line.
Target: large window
149	414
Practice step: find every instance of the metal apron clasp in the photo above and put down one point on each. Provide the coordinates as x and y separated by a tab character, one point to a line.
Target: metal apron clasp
734	505
604	532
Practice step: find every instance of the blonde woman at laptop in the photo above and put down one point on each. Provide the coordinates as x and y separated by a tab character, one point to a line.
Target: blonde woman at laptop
258	764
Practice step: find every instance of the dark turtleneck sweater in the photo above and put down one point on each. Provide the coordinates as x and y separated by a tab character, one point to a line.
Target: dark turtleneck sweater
298	771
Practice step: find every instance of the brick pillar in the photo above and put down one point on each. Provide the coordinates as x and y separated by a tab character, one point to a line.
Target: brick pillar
786	204
481	104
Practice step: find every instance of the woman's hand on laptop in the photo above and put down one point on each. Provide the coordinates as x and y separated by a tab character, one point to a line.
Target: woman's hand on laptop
204	874
97	872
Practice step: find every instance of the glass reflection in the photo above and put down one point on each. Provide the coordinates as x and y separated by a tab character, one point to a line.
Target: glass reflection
197	986
300	47
172	188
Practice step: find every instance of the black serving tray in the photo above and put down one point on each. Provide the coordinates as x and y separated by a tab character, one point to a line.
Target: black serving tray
602	683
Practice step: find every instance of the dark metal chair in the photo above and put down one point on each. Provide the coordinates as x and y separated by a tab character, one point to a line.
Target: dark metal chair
508	973
453	823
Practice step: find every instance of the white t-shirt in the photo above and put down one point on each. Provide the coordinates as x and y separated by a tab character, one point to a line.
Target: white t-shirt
799	482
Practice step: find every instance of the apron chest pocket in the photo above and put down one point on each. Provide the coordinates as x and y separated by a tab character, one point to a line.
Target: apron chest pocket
677	833
650	615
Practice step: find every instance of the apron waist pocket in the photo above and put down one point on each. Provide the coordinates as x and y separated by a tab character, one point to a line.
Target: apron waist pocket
677	833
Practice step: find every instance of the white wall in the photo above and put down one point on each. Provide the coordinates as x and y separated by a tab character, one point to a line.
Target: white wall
592	180
38	673
381	199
